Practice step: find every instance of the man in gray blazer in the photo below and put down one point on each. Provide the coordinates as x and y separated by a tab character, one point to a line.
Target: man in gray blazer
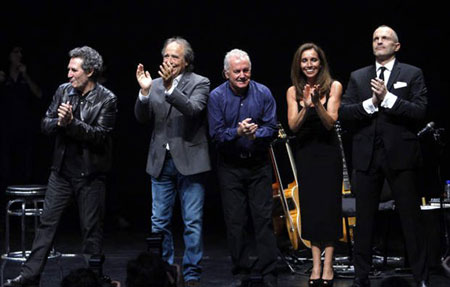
175	107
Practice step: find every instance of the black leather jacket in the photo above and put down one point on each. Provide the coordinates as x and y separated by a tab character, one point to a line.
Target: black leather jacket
93	129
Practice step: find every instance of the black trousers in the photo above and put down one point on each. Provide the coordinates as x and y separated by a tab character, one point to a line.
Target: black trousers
90	196
368	186
246	188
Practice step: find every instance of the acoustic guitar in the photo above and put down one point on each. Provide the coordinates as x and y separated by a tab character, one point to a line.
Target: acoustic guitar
346	186
288	196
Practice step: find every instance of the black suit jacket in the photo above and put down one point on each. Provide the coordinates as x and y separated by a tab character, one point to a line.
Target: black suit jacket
395	126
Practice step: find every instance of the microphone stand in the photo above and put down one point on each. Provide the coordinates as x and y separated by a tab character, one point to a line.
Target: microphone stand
437	138
441	144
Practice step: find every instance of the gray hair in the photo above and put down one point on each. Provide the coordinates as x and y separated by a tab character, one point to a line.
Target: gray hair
92	60
188	52
235	53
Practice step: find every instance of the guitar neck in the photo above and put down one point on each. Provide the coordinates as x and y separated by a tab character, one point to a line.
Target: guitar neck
345	176
345	180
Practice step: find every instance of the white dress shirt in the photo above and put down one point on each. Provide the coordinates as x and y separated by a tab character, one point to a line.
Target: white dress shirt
145	99
389	99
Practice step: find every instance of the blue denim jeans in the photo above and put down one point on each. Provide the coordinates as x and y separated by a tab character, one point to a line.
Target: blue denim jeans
191	192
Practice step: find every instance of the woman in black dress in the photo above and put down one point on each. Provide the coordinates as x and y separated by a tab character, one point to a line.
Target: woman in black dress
313	103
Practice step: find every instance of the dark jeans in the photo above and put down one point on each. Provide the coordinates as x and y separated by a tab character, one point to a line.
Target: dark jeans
246	188
90	196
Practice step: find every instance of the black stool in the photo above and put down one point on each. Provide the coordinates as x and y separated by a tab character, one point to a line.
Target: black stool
25	201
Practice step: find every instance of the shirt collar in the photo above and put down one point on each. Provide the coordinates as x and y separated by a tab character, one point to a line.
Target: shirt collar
89	97
249	88
178	78
388	65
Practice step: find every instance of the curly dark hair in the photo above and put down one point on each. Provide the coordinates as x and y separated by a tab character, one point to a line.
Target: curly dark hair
92	60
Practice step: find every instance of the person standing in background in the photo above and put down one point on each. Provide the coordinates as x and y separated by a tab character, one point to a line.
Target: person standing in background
18	92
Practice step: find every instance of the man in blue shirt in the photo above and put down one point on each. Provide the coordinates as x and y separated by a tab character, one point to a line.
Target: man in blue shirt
242	123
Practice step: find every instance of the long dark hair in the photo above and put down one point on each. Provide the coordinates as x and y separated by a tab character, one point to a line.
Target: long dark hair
299	79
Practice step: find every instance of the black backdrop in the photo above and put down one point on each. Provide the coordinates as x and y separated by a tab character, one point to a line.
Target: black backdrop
130	32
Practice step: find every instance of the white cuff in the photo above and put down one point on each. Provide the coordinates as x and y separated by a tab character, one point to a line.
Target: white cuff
142	98
369	106
389	100
169	92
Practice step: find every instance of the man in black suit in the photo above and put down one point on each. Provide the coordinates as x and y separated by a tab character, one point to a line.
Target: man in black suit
386	101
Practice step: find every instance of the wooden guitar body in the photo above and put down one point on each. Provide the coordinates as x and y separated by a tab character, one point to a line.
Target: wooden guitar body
289	200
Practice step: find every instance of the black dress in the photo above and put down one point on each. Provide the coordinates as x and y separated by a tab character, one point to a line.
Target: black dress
319	172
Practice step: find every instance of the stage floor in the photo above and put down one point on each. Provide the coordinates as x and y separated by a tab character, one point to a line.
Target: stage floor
122	245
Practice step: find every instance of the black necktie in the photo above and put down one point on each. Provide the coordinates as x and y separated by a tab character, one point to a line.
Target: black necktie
382	69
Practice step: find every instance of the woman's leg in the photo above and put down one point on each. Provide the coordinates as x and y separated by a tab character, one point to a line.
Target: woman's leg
317	261
328	273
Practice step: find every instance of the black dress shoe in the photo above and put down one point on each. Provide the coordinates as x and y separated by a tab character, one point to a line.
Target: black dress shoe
361	282
423	283
21	281
314	282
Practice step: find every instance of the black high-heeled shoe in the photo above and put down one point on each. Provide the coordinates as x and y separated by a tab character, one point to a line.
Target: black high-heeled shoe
327	283
314	282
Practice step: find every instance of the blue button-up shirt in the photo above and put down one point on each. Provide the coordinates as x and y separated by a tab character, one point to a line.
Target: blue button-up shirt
226	110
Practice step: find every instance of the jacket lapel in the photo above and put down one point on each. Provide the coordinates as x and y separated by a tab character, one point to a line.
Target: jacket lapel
180	86
162	106
183	81
370	74
394	75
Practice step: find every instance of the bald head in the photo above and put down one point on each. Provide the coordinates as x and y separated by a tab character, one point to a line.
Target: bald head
385	44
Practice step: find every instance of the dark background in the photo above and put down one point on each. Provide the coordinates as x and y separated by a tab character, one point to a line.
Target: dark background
130	32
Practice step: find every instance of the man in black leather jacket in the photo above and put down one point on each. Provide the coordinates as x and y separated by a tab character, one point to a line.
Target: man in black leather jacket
81	117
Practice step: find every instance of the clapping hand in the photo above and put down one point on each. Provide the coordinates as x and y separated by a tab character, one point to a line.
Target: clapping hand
247	129
144	79
379	90
315	94
311	95
65	115
166	72
22	69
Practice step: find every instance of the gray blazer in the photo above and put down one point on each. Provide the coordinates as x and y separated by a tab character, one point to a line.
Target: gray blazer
179	120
